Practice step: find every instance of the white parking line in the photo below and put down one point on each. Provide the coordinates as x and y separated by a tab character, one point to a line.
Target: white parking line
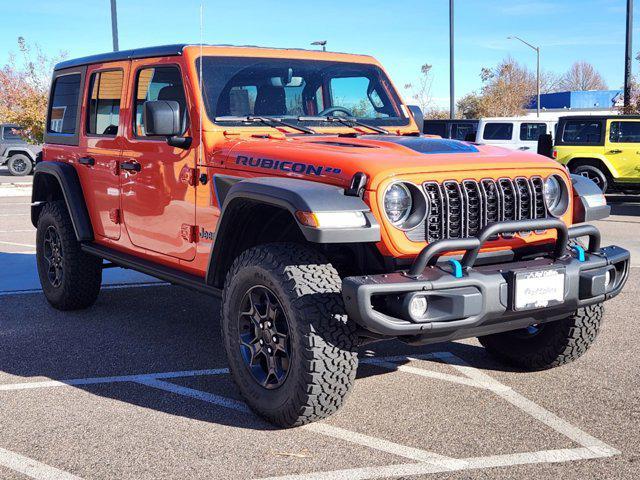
18	244
427	462
18	231
31	468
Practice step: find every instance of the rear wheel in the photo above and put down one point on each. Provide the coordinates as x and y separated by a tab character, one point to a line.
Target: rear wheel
547	345
290	348
70	278
19	165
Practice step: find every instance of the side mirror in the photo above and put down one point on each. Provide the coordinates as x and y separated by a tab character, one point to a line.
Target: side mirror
162	117
545	145
418	116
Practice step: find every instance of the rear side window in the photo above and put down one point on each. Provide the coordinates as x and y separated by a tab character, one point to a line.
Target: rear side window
582	131
463	131
63	113
436	129
532	131
498	131
105	92
625	132
158	83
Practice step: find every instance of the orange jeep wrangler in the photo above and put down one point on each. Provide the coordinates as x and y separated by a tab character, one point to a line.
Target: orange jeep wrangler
296	186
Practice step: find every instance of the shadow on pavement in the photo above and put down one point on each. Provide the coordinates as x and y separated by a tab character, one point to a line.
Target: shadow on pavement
146	330
625	205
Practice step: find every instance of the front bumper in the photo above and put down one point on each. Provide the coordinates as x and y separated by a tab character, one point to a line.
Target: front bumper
467	301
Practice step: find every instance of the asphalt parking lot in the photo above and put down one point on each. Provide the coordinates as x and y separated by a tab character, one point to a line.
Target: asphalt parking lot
136	387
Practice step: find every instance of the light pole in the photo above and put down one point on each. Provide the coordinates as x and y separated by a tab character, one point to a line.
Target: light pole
627	57
537	49
452	86
114	25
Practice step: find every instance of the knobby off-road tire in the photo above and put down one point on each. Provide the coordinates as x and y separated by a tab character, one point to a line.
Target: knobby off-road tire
553	344
70	278
19	164
322	342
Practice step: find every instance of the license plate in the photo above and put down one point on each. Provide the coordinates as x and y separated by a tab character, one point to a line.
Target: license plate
539	289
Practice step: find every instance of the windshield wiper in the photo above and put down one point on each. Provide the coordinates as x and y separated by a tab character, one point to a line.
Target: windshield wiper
348	121
268	121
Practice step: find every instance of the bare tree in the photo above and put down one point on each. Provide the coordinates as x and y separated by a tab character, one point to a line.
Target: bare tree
420	92
507	89
583	76
470	106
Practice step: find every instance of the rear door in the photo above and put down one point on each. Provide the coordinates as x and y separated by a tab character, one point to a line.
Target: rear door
101	145
623	147
529	134
158	201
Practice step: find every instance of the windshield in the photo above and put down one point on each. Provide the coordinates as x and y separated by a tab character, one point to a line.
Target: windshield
288	89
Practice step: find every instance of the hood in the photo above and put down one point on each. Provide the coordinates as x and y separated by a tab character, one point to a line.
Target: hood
337	158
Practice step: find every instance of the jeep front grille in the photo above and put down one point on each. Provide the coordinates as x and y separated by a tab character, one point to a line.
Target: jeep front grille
462	209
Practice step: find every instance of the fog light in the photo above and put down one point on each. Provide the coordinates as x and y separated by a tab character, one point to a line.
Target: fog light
607	279
418	306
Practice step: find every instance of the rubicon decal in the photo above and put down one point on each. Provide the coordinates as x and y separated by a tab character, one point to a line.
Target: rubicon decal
285	166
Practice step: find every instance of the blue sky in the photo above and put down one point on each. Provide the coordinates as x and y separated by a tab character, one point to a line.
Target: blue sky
401	34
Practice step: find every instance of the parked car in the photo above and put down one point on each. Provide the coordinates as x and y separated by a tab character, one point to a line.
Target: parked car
15	152
456	129
320	229
605	149
518	133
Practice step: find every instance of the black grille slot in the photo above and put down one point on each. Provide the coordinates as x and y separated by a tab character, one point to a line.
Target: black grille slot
462	209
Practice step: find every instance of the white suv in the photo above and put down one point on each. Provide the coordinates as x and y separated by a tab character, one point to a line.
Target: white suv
516	133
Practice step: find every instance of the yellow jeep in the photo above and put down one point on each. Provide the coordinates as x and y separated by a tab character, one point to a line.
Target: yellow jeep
605	149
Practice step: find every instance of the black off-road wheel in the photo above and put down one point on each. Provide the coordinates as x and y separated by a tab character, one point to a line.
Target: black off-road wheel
70	278
595	174
547	345
19	164
290	348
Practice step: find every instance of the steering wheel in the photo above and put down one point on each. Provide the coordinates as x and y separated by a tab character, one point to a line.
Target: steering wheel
328	111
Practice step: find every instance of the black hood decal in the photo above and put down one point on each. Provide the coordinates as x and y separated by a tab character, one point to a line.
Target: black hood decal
426	145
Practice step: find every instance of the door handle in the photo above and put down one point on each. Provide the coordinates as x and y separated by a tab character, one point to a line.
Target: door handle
87	161
523	148
615	151
131	166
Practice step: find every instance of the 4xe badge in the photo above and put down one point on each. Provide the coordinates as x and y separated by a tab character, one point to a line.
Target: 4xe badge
286	166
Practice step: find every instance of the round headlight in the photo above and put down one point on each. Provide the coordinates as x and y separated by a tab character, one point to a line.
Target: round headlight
556	196
397	203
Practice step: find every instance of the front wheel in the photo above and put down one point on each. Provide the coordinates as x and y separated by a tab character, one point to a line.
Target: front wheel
290	348
547	345
19	165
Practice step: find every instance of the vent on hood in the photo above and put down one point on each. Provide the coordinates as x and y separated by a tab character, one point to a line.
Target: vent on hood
426	145
343	144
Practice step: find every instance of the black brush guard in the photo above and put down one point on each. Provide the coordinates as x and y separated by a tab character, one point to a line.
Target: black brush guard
471	300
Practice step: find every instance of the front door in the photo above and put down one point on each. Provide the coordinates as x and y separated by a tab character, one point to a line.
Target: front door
158	198
623	148
100	145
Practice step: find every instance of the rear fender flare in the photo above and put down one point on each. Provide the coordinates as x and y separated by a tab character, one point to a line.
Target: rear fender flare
47	179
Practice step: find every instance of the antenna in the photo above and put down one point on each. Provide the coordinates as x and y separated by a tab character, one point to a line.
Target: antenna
201	145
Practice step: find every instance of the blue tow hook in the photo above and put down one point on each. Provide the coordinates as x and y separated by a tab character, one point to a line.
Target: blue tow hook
457	268
579	252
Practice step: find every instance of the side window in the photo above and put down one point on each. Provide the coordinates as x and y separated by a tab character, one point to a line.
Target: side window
242	100
532	131
625	132
105	92
351	93
582	131
498	131
435	128
158	83
63	112
460	131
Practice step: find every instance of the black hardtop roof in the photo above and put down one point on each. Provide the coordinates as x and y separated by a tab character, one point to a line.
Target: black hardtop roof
150	52
160	51
451	120
599	117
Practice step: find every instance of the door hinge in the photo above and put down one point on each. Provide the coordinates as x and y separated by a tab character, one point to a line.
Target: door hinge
189	233
114	166
114	215
189	176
